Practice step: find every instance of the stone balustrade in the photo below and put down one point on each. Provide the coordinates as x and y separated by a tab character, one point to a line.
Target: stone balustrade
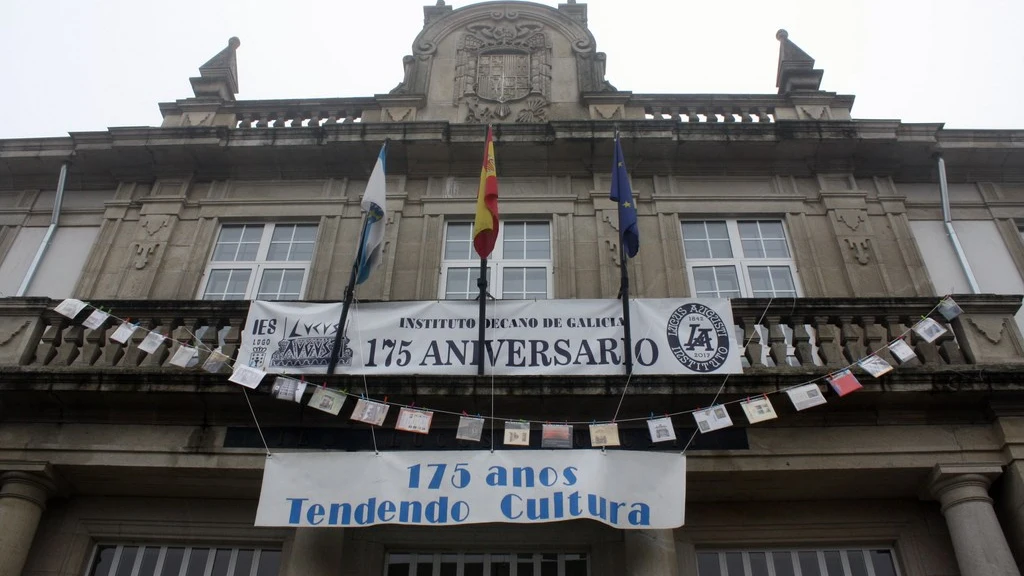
295	113
710	107
780	334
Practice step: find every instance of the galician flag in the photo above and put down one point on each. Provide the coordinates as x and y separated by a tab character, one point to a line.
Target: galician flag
374	203
485	227
622	194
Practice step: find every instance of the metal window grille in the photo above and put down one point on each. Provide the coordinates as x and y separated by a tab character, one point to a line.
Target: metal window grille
487	564
798	562
156	560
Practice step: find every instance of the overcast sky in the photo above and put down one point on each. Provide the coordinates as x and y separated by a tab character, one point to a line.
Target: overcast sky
80	65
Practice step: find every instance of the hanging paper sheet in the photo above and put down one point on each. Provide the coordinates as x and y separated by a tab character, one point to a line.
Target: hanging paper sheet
544	337
623	489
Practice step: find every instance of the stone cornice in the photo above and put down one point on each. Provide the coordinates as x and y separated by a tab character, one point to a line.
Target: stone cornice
579	147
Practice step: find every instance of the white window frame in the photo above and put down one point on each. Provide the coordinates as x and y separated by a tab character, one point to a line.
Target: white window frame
844	551
260	264
496	263
434	559
739	261
115	565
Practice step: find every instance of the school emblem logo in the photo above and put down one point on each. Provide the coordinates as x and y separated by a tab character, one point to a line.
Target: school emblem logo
698	337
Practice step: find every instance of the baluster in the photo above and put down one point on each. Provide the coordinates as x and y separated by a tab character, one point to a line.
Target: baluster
132	355
851	339
157	358
730	114
692	114
828	348
208	337
948	347
876	339
927	351
70	345
802	342
754	350
184	334
711	114
748	116
93	348
332	118
233	338
50	341
895	329
113	351
777	341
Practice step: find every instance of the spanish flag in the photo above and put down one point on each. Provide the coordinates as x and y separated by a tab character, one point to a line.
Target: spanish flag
485	227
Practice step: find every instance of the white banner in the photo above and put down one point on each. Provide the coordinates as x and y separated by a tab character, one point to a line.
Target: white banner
631	490
522	337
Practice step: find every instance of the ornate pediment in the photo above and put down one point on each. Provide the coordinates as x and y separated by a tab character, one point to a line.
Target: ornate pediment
503	70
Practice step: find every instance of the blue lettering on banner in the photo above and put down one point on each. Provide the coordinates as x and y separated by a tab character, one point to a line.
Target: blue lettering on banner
438	490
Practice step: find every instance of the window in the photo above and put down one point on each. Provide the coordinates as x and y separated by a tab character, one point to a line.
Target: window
155	560
733	259
521	262
826	562
60	268
261	261
479	564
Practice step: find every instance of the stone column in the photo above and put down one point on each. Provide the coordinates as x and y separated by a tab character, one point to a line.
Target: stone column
651	553
314	552
978	540
23	498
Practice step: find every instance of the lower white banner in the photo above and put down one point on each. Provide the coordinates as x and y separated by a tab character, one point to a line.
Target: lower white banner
522	337
630	490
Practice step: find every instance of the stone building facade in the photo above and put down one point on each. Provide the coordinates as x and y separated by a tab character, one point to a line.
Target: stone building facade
114	462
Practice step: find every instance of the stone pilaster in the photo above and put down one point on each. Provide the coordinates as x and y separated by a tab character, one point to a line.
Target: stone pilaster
23	498
651	553
314	552
978	540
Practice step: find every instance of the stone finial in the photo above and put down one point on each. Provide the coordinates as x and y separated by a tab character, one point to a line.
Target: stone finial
435	12
218	78
796	67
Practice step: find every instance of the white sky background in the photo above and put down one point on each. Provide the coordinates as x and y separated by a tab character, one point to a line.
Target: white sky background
76	65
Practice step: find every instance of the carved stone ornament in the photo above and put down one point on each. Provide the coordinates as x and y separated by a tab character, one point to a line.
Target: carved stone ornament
152	225
852	218
142	253
861	249
505	69
991	329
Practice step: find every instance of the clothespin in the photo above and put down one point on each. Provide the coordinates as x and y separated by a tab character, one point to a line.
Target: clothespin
385	399
652	415
464	413
411	404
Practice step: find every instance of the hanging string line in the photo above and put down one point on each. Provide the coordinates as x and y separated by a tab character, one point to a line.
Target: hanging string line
256	420
366	389
231	362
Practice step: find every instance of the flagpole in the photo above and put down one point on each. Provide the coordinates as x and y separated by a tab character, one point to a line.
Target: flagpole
481	283
624	294
350	291
623	270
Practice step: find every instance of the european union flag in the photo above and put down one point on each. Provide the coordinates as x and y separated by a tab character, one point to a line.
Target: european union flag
622	194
